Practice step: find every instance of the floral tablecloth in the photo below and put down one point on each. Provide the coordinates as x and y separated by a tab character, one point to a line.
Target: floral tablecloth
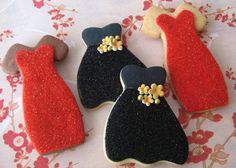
211	135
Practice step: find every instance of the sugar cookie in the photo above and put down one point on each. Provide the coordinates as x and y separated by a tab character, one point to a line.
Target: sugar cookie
153	30
195	76
141	127
98	75
52	116
9	64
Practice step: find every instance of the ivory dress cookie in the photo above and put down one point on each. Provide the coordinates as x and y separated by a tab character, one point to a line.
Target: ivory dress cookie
9	64
52	116
195	76
98	75
141	127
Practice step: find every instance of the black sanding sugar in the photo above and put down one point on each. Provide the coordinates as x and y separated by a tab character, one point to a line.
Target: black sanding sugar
98	78
147	134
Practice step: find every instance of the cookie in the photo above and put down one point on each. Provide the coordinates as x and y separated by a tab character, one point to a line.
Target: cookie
192	69
142	127
153	30
52	117
150	27
199	19
98	75
9	64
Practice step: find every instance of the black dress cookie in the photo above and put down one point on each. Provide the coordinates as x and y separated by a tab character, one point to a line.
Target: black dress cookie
142	127
98	78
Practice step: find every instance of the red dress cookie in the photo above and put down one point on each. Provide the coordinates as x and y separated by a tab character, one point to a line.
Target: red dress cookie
52	116
195	75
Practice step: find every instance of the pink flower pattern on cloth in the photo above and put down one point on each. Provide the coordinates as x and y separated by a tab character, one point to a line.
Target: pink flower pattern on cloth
16	141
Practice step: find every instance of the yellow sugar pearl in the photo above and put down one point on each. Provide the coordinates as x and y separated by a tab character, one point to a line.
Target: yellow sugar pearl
157	101
140	97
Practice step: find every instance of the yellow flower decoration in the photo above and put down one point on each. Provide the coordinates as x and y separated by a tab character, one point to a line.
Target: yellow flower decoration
110	43
143	89
149	95
147	99
156	91
116	44
106	40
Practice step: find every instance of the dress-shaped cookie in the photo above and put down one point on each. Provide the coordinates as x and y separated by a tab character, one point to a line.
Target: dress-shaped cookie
196	77
98	75
9	62
52	116
143	128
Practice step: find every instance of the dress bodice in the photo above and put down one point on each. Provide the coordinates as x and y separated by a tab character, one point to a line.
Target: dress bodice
133	76
32	63
93	35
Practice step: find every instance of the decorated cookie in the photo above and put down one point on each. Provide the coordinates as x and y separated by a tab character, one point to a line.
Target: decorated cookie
195	76
98	75
52	116
149	23
141	127
153	30
9	64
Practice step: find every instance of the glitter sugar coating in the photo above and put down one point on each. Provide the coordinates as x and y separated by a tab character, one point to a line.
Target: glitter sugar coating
52	117
195	75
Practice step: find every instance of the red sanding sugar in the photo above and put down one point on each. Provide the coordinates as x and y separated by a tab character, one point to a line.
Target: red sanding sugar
52	116
195	76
